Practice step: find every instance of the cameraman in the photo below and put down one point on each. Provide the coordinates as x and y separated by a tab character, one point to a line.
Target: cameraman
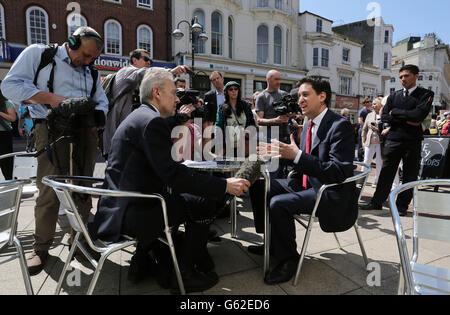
69	75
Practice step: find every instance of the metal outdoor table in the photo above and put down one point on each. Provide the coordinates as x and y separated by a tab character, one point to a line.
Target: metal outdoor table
232	167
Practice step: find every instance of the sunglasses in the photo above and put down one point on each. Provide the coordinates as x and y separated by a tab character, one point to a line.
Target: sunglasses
146	59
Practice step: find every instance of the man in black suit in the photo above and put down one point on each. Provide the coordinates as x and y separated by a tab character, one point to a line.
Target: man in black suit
214	98
405	111
325	156
141	161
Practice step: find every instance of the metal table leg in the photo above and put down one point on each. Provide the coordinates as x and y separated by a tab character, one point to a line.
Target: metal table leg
266	175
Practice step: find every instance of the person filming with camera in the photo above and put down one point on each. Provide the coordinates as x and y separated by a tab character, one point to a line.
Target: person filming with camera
60	80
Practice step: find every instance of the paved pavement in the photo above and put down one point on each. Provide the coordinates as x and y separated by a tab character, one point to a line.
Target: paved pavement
327	269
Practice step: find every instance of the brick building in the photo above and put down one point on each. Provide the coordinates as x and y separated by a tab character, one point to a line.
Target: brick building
124	25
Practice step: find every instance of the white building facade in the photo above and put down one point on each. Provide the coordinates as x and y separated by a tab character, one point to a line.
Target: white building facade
433	59
337	58
246	39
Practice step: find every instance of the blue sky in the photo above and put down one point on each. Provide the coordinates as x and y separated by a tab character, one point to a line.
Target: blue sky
409	18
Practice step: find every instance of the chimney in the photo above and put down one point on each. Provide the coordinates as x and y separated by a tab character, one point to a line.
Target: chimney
429	40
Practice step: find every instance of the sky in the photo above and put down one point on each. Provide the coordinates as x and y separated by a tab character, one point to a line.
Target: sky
409	17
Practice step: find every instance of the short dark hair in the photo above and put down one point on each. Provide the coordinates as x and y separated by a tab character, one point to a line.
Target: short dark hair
137	54
319	86
411	68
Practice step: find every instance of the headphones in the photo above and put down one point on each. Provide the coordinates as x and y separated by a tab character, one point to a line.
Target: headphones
75	40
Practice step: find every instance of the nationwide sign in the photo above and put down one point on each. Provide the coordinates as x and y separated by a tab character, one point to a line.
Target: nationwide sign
111	63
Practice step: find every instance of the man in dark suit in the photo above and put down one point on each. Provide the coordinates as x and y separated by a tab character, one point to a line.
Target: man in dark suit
405	111
214	98
141	161
325	156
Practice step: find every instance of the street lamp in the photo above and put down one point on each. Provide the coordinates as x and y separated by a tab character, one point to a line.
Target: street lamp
195	28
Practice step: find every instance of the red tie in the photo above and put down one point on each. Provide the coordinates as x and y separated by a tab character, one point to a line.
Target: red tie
308	151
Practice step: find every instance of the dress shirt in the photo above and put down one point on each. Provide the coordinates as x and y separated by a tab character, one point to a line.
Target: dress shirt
410	91
317	121
69	82
220	99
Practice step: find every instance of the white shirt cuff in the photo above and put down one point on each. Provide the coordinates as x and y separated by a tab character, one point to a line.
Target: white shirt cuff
297	158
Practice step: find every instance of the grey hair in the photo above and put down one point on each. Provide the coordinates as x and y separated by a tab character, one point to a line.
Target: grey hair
84	32
155	77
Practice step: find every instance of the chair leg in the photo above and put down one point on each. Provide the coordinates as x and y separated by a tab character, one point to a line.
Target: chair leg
401	283
303	252
175	262
67	264
337	241
233	217
23	266
97	271
361	245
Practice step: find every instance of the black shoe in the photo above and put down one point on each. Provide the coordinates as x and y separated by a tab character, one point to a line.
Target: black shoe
282	273
212	237
370	206
256	250
403	213
141	267
205	263
195	281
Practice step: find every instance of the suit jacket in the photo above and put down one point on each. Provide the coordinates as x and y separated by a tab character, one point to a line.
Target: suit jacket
211	105
140	161
331	161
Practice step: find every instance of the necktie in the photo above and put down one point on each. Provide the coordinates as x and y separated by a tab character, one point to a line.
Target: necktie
406	93
308	151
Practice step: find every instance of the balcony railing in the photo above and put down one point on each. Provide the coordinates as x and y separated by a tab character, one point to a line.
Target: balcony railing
272	5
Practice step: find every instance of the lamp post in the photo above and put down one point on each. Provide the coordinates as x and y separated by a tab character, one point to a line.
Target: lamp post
195	28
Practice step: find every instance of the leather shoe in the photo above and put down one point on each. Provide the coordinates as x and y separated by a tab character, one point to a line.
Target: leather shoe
195	281
36	262
256	250
141	267
402	213
282	273
370	206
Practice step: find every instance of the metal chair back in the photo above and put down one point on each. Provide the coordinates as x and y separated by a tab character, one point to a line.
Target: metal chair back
431	209
25	166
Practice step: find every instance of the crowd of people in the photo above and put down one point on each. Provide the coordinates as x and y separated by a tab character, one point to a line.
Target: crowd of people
134	113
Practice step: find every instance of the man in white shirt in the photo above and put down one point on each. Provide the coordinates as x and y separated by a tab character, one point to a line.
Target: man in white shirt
325	156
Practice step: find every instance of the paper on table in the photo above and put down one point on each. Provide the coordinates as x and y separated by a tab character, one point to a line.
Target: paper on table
200	164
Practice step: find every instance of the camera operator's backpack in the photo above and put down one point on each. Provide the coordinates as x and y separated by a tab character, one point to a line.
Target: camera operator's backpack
48	57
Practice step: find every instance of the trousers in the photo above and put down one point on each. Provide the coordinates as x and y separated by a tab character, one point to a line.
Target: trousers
57	162
6	147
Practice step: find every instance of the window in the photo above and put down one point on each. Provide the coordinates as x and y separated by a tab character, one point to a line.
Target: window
199	45
113	38
37	26
430	78
230	37
74	21
316	57
262	44
2	23
346	86
369	92
346	55
386	37
325	57
259	85
387	63
216	34
278	4
145	39
148	4
319	26
288	58
263	3
392	80
286	87
277	43
392	91
420	77
114	1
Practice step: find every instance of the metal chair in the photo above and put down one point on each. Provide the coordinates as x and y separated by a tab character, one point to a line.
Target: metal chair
10	197
430	215
64	190
361	180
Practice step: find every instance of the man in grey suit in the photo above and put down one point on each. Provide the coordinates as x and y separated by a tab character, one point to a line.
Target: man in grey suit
140	160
